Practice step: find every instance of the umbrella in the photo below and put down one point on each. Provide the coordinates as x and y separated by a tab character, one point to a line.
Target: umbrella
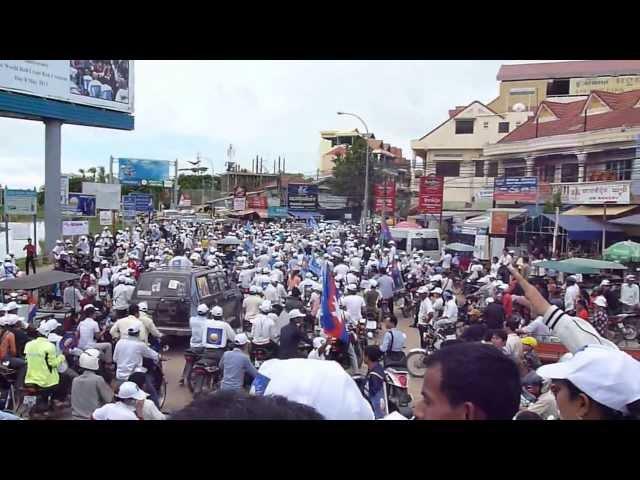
626	251
595	264
561	266
459	247
229	241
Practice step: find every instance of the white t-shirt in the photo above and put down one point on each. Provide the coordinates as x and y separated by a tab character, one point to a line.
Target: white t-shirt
571	295
245	277
217	333
341	269
426	307
354	304
446	260
87	329
197	331
451	310
251	304
630	294
264	329
128	356
115	411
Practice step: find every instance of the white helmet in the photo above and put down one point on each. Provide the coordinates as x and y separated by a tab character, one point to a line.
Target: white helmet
90	359
143	306
216	311
265	306
202	309
373	283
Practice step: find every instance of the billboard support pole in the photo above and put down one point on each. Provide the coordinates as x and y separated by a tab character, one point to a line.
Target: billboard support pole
6	222
52	211
35	226
175	187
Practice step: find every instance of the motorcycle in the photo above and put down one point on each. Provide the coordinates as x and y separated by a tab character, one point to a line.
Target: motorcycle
204	376
623	328
409	303
396	392
337	351
432	339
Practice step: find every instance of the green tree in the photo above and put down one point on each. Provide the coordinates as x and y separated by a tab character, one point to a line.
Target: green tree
101	177
82	172
349	172
92	171
551	204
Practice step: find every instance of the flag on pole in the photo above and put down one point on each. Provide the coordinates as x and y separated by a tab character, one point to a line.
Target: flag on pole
315	267
385	233
33	309
330	319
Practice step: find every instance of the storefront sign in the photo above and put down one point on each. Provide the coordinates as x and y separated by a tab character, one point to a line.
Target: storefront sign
431	193
597	193
499	223
384	194
584	86
239	198
481	247
257	201
517	189
302	197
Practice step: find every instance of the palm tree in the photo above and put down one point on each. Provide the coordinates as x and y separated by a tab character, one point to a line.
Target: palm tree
92	171
101	175
82	172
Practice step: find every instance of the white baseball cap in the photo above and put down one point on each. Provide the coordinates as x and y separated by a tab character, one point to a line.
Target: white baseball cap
131	390
600	301
489	300
352	286
437	290
295	313
10	306
603	282
423	289
241	339
611	377
48	326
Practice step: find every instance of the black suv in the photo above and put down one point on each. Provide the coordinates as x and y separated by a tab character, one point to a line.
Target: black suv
173	295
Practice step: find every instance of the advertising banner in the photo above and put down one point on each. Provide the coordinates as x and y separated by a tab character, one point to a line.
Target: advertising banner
239	198
481	247
302	197
517	189
278	212
257	201
64	189
20	202
80	205
384	197
137	203
597	193
431	192
185	200
75	227
136	171
105	217
107	194
499	223
96	83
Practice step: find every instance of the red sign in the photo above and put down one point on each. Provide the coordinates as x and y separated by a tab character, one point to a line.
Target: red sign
257	201
431	193
385	197
499	223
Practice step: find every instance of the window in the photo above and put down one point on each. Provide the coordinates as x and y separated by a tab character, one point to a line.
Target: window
485	124
620	168
547	173
427	244
479	168
464	126
558	87
214	286
448	169
569	172
203	287
162	286
492	171
503	127
514	172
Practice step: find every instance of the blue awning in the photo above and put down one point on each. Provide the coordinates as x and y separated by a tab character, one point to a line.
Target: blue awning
581	227
304	215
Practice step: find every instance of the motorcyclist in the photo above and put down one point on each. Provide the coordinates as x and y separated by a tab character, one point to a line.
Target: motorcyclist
540	399
393	342
264	332
217	334
89	391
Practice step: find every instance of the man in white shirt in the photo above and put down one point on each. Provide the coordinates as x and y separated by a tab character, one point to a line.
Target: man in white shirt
72	297
264	330
129	353
245	277
450	313
121	327
475	270
197	340
425	313
217	333
572	293
251	304
446	261
354	303
263	260
125	406
630	294
341	269
513	347
88	331
121	296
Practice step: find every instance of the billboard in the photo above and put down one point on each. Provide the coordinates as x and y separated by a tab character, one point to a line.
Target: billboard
107	194
431	192
80	205
64	189
597	193
20	202
618	84
302	197
137	203
239	198
136	171
70	228
97	83
520	189
384	197
499	223
257	201
277	212
106	217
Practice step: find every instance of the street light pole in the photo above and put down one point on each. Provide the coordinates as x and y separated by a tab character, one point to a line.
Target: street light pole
365	216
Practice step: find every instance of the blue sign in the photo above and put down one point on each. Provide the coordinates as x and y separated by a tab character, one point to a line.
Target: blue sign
137	203
278	212
134	171
521	189
302	197
80	205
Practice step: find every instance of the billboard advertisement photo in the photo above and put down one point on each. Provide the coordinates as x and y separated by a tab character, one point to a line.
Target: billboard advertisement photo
302	197
135	171
20	202
80	205
98	83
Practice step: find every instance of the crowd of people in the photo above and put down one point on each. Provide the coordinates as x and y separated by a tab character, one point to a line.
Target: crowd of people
298	283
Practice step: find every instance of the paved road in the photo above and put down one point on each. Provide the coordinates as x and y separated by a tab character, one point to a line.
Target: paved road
178	397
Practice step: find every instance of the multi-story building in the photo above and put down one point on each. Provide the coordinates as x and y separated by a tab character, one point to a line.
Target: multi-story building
585	150
527	85
453	150
334	143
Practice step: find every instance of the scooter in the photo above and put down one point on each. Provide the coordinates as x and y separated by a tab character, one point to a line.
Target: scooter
622	328
396	393
432	339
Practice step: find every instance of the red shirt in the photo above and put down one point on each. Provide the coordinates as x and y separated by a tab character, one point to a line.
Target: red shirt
31	250
584	314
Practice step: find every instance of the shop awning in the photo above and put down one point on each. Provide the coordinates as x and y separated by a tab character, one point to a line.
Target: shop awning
262	213
304	215
612	210
581	227
630	220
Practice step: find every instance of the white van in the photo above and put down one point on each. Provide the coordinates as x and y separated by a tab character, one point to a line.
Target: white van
414	239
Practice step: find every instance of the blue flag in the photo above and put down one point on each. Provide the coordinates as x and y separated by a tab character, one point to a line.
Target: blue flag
315	268
331	320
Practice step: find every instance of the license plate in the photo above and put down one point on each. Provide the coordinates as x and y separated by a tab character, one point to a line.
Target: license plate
29	400
372	325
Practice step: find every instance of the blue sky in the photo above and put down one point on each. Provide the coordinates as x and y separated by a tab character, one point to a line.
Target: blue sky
268	108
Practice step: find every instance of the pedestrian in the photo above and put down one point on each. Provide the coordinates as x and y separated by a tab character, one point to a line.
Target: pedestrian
374	386
30	248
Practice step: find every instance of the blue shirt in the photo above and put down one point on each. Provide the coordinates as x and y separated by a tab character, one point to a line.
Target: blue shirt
385	285
399	339
235	364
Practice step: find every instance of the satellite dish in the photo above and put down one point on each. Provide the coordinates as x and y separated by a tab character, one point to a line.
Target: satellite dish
519	107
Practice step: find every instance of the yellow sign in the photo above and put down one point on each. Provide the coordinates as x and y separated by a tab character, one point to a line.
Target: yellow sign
584	86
